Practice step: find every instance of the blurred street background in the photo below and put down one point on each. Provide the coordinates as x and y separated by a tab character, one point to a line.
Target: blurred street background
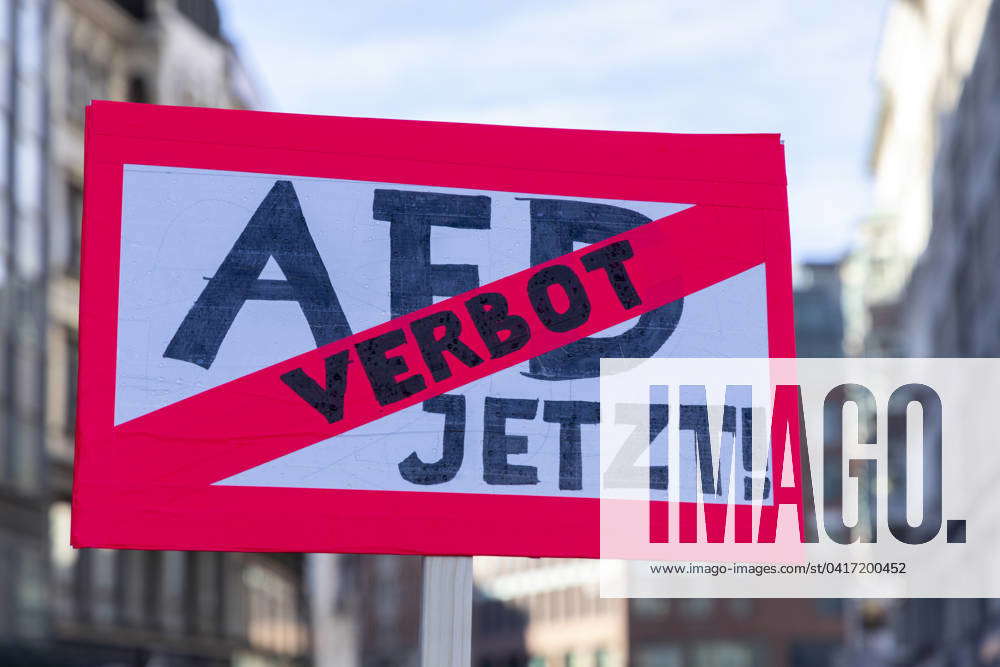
890	111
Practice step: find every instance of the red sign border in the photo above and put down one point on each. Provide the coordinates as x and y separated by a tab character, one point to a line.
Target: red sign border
742	171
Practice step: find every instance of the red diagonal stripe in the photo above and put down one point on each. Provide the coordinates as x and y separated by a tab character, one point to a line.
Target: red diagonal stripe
257	418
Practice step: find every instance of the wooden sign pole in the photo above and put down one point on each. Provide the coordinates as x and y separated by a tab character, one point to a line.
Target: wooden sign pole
446	612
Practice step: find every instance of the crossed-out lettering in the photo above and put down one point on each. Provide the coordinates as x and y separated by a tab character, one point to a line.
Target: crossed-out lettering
480	328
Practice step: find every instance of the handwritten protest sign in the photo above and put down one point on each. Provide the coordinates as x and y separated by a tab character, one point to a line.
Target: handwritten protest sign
302	333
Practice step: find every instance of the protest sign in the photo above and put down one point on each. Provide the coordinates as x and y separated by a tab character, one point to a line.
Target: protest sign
304	333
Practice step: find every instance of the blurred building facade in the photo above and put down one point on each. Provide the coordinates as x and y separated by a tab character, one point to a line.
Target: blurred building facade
365	609
928	48
549	613
945	299
546	611
23	268
819	313
59	606
951	305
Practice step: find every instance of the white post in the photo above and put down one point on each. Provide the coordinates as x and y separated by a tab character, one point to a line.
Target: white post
446	612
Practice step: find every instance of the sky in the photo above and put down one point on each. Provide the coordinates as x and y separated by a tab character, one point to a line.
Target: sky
804	69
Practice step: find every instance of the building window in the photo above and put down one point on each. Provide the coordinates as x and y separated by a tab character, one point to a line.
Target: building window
723	654
697	608
104	572
386	606
153	591
138	91
136	8
203	13
651	607
740	607
72	380
273	621
82	585
204	611
172	583
63	558
833	607
132	582
659	655
30	587
23	449
29	44
74	210
88	80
